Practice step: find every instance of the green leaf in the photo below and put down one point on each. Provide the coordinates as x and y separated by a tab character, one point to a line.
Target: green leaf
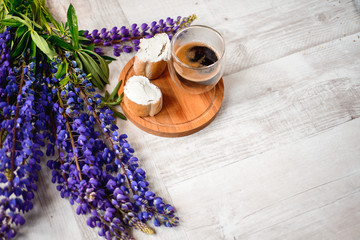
82	38
117	102
21	46
90	66
113	103
104	66
44	22
118	114
33	49
115	91
75	78
62	70
120	97
88	47
108	58
20	31
3	12
43	45
73	26
11	22
60	42
64	81
103	78
107	95
16	19
29	22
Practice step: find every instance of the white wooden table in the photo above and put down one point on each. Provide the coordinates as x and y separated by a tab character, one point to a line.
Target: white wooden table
282	158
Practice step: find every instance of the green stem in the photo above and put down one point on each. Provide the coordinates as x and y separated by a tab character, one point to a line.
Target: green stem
83	96
1	137
70	135
55	136
12	168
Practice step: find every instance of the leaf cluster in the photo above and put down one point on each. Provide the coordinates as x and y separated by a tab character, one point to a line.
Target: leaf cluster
113	99
36	29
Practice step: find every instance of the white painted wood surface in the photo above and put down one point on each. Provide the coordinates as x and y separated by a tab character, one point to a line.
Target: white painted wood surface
282	158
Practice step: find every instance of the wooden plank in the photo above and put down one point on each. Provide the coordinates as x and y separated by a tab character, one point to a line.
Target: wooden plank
268	106
309	189
88	13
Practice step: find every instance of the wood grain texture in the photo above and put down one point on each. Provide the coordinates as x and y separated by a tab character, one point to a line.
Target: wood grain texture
275	104
306	190
281	159
182	113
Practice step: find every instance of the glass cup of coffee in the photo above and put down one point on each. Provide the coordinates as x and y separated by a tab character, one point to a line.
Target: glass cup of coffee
197	58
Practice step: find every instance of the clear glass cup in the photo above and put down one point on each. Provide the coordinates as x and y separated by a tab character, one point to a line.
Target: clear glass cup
193	66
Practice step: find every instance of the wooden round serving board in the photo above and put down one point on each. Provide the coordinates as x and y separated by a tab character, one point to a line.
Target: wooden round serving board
182	113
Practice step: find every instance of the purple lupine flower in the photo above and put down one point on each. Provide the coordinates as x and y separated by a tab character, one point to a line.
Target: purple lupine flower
125	36
19	119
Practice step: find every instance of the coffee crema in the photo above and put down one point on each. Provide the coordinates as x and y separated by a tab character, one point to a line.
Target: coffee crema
196	54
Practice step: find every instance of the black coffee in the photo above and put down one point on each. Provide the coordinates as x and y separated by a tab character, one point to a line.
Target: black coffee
196	54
